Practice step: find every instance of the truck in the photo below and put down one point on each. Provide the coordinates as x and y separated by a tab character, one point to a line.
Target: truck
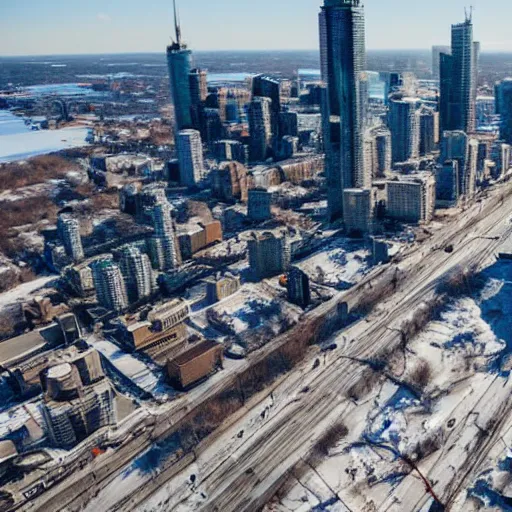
195	365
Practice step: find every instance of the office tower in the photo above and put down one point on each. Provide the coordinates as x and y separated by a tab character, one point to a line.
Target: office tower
504	109
357	213
454	146
198	81
164	247
436	58
269	254
447	184
289	146
343	60
198	93
232	108
428	125
230	150
297	285
258	208
458	84
137	273
179	62
109	285
289	124
392	83
260	129
412	199
69	232
190	157
266	87
404	125
213	128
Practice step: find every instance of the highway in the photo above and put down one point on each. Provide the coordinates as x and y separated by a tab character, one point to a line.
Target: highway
235	471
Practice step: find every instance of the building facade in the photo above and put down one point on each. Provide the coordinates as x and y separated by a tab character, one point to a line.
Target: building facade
190	157
260	129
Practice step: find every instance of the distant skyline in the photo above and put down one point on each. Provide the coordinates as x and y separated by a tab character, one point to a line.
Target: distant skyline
52	27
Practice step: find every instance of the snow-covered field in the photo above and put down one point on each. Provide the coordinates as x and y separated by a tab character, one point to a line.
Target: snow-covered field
437	424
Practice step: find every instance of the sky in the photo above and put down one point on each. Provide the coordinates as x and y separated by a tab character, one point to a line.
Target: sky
47	27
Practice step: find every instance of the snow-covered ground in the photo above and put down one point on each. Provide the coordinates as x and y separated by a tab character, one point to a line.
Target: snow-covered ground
467	350
24	291
19	146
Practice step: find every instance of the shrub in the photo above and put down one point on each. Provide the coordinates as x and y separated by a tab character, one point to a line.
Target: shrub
421	375
331	437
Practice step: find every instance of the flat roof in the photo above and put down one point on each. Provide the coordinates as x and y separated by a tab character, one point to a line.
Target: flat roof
195	351
15	349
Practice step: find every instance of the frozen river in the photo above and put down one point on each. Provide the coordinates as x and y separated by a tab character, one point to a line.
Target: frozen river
18	141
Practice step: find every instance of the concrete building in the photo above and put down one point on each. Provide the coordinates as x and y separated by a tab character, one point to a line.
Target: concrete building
343	61
412	199
212	127
404	124
357	213
289	146
220	287
179	63
458	81
259	204
269	254
260	129
190	156
383	150
137	273
230	150
109	285
230	182
298	288
198	84
69	232
164	248
501	155
380	251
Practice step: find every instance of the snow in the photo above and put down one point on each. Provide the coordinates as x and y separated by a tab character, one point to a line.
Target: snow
24	291
19	146
132	368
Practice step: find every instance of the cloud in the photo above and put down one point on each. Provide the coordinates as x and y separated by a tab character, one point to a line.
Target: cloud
104	18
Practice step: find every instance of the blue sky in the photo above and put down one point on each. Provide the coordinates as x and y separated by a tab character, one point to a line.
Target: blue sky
39	27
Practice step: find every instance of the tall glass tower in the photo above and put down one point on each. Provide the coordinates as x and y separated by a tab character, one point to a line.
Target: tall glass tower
343	59
179	62
458	80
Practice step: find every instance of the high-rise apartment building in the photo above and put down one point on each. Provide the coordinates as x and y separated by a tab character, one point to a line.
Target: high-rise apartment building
267	87
165	253
190	157
269	254
179	63
137	273
109	285
357	213
260	128
298	287
429	124
404	124
412	199
343	60
458	80
69	232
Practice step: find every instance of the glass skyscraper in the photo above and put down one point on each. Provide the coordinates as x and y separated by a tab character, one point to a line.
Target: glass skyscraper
343	58
458	80
179	62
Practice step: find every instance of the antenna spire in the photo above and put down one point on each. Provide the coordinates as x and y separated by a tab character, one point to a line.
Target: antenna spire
177	25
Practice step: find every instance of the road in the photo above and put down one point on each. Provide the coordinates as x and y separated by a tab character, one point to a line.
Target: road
237	471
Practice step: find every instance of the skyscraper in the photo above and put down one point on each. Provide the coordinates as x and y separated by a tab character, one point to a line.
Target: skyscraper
342	54
109	285
179	62
504	108
404	123
164	246
266	87
458	80
260	128
69	232
137	273
190	157
436	58
428	126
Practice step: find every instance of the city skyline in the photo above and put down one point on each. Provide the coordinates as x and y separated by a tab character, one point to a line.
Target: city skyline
93	29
